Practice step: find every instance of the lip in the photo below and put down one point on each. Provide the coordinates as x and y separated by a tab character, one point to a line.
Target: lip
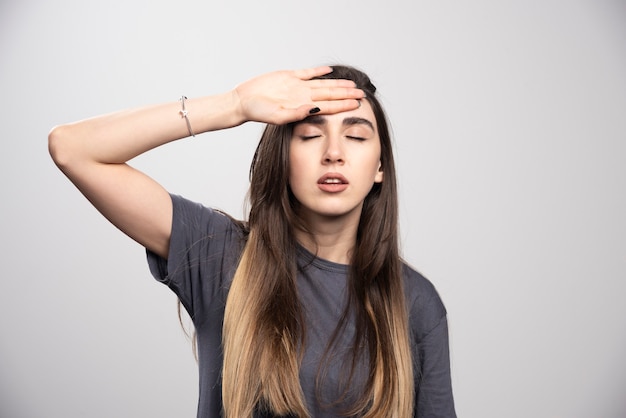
333	187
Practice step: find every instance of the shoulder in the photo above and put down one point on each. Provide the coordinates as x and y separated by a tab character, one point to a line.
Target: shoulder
426	309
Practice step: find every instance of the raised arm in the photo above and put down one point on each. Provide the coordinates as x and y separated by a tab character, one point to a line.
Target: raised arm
93	153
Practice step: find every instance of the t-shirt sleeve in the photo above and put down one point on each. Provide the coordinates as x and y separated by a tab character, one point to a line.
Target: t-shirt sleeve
203	254
429	327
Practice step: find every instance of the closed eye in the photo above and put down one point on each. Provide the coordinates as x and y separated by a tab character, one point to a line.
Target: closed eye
356	138
307	137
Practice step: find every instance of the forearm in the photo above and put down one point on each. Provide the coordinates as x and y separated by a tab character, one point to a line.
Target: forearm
118	137
93	153
279	97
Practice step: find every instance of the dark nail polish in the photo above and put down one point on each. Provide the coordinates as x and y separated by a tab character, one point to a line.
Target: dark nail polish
314	110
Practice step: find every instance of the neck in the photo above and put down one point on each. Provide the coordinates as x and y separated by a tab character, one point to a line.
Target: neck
332	239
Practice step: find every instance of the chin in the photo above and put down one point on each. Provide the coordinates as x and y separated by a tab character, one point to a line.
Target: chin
338	213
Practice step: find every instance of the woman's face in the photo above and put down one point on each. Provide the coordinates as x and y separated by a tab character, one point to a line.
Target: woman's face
334	161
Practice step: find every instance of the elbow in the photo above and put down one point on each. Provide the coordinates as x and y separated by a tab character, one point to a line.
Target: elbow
59	146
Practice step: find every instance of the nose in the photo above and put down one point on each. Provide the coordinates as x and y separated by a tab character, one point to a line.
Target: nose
333	152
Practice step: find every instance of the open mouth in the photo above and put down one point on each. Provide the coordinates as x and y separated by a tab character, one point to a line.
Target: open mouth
332	183
332	178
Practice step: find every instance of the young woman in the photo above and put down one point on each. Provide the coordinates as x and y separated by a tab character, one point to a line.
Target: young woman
306	309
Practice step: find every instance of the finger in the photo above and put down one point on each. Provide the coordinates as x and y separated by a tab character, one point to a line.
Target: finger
336	93
309	73
337	106
329	83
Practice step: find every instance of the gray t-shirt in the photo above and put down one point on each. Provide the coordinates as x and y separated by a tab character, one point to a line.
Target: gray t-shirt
204	250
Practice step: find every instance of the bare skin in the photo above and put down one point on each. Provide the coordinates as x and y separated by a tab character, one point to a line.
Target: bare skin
343	148
93	153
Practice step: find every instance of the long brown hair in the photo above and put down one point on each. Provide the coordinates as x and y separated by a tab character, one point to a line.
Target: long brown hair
263	334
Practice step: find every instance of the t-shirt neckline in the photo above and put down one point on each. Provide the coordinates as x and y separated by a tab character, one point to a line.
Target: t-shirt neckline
306	258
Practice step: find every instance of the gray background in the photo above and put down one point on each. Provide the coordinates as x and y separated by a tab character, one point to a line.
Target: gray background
510	128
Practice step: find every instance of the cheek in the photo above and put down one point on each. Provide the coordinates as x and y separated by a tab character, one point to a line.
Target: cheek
295	167
371	162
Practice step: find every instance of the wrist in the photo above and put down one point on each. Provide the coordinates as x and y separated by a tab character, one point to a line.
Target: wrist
211	113
233	102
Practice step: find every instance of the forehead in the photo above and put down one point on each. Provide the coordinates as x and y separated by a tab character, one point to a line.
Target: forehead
363	116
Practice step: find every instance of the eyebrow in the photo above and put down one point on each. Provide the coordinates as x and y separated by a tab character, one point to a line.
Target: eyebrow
353	120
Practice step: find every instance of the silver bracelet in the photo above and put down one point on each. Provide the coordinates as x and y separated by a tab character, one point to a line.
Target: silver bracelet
184	114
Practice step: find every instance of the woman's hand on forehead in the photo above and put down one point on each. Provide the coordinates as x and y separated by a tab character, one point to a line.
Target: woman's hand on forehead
281	97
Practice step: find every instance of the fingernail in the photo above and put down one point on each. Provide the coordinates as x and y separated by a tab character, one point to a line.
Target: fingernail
314	110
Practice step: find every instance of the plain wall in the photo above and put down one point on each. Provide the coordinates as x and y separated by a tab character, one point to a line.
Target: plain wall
510	132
